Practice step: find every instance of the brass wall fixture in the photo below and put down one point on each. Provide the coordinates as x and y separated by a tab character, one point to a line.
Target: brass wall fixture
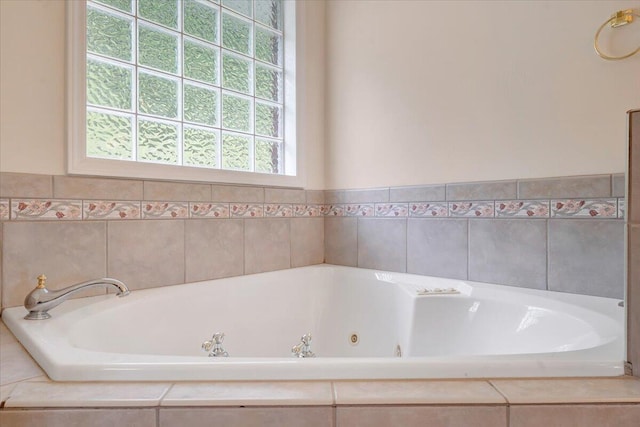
618	19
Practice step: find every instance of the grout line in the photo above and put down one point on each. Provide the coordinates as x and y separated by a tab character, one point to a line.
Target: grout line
504	396
184	250
546	253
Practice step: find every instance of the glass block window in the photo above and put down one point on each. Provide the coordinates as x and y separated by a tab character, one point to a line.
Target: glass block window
186	82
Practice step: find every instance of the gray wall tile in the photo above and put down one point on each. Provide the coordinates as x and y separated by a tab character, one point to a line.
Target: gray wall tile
213	249
618	185
135	417
382	244
310	416
422	193
237	194
508	251
341	241
315	197
25	185
437	247
421	416
66	252
176	191
67	187
574	415
284	195
307	241
567	187
147	253
482	190
587	257
633	298
267	245
356	196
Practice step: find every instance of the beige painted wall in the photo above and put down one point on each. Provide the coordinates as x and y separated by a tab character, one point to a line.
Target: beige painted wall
32	83
425	92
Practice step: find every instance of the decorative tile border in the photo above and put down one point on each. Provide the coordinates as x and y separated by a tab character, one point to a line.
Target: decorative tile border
57	209
275	210
472	209
101	209
392	209
163	210
5	209
576	208
208	210
522	209
429	210
40	209
239	210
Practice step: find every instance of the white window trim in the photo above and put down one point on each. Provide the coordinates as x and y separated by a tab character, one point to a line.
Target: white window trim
79	164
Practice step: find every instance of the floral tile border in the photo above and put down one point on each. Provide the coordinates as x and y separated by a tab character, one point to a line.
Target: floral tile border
392	209
308	210
522	209
276	210
239	210
162	210
107	209
428	210
472	209
208	210
43	209
58	209
583	208
5	209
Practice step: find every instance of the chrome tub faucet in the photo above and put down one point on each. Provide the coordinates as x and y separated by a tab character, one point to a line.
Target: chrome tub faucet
40	300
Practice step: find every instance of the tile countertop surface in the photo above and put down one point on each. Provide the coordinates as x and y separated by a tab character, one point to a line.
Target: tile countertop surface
24	385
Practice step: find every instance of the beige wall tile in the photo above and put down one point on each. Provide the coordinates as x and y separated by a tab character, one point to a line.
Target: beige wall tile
247	417
382	244
25	185
237	194
419	193
415	392
574	416
266	245
618	185
482	190
633	204
356	196
421	416
570	390
67	252
15	362
270	393
575	186
213	249
177	191
79	418
341	241
284	195
315	197
146	253
69	187
307	241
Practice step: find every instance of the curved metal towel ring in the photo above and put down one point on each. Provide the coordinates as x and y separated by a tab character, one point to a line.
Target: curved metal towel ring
621	17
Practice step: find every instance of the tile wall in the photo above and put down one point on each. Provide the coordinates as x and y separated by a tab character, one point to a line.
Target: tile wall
633	242
149	233
562	234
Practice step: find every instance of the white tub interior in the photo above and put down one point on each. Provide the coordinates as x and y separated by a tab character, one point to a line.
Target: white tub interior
483	331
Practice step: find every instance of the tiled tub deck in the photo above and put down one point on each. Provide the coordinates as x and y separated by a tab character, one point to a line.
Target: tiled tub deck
29	398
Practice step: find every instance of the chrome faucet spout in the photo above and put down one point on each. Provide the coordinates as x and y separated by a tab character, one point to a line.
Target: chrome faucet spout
40	300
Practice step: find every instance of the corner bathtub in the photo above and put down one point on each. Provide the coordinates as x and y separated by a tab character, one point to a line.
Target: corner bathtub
484	331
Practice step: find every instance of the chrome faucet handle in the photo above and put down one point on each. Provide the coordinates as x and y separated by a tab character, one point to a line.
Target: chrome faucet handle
214	346
303	348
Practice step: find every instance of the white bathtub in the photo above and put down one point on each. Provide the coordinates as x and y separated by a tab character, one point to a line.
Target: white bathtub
484	331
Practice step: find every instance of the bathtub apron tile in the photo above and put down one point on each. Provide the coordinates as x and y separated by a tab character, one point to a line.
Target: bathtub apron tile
421	416
79	417
574	415
312	416
98	394
272	393
416	392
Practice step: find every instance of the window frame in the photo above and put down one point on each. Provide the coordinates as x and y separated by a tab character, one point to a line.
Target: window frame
78	163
